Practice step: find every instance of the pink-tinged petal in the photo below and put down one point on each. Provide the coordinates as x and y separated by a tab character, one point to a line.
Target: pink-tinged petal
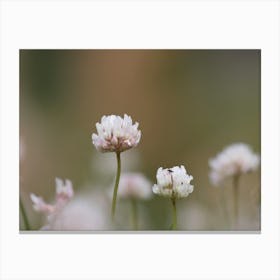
116	134
39	204
64	192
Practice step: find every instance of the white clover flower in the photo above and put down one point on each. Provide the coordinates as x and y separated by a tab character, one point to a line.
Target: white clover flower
134	185
235	159
64	193
116	134
173	182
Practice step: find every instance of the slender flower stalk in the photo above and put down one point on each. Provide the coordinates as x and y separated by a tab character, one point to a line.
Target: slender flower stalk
224	209
114	201
24	215
116	134
173	183
174	224
235	201
134	211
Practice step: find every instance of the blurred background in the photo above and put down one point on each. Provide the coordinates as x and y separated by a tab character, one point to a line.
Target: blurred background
190	104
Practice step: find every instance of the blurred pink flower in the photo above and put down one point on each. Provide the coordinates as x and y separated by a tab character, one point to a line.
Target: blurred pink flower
116	134
64	193
40	205
81	213
235	159
134	185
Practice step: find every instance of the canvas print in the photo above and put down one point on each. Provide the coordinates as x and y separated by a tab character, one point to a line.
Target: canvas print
140	140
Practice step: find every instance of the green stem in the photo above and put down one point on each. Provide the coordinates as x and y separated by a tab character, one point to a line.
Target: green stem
114	201
24	215
134	214
227	217
174	225
235	200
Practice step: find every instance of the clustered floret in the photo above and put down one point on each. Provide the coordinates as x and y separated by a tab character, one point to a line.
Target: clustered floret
116	134
173	182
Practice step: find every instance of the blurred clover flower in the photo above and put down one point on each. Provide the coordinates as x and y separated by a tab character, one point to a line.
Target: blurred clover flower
173	183
133	187
85	212
64	193
116	134
232	162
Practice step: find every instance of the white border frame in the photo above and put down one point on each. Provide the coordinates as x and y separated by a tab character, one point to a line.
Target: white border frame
135	24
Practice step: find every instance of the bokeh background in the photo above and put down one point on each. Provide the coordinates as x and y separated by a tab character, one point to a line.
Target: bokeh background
190	104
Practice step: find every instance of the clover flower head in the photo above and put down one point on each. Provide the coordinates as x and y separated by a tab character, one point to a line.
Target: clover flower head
234	160
40	205
64	193
81	213
173	182
134	185
116	134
